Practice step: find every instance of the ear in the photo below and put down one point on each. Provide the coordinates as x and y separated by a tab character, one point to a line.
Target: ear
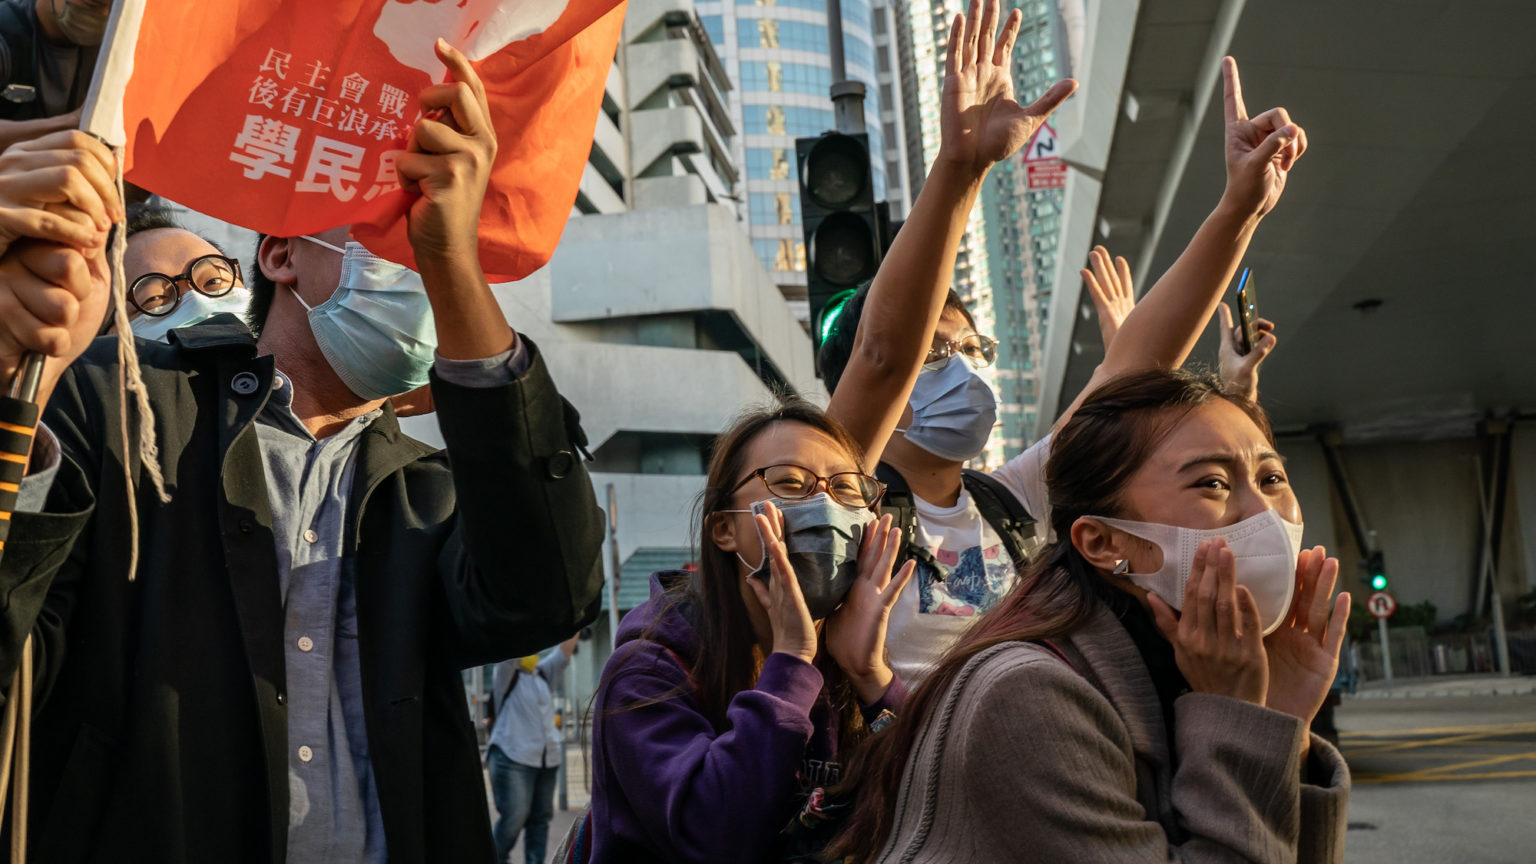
1100	545
722	529
275	258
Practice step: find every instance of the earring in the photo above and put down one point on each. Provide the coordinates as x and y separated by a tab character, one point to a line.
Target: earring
1122	567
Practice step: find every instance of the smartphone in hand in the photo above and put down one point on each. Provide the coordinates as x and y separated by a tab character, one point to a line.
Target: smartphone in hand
1247	312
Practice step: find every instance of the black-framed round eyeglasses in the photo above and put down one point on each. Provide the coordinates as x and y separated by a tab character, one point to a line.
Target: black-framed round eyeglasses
157	294
792	482
978	350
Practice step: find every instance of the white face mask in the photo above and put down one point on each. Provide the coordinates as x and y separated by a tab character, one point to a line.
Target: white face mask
1265	547
193	308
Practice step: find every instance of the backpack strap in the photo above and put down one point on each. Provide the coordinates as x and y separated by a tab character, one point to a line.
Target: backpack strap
1006	514
903	512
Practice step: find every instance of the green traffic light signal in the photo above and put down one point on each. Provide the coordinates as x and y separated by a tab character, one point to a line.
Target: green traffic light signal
1379	582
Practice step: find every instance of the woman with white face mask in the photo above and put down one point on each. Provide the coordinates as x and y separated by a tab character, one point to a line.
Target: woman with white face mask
1144	695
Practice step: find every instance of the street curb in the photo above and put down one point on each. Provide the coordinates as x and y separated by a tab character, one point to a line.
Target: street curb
1514	687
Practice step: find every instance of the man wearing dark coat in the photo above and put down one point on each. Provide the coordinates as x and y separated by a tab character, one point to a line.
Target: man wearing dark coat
281	679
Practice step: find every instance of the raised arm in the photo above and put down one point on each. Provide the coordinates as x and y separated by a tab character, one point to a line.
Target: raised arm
1163	328
981	125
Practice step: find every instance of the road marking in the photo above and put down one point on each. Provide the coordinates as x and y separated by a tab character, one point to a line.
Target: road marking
1441	730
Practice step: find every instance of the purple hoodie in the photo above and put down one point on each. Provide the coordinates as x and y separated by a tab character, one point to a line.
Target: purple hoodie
667	785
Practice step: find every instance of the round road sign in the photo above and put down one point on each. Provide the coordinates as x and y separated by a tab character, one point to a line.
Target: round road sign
1381	604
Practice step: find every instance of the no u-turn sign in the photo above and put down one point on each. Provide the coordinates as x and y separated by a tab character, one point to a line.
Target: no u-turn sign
1381	604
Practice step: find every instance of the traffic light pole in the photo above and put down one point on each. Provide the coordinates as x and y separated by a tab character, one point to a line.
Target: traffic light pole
847	96
1386	653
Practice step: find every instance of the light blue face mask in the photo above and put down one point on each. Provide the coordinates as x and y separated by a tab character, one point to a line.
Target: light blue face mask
377	330
194	308
953	411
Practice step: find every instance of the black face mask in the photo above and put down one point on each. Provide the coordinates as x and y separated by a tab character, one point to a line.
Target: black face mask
822	538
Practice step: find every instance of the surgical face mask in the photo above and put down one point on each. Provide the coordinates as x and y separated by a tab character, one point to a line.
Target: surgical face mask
193	308
1265	547
83	22
953	412
822	538
377	329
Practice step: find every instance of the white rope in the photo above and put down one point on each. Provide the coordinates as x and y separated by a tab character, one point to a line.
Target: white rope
131	380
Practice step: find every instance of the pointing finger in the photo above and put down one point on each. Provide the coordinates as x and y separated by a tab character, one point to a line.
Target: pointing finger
1232	91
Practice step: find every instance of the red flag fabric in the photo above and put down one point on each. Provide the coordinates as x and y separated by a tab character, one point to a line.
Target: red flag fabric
285	116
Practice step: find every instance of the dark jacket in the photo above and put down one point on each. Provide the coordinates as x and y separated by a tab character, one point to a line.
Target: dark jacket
161	733
667	785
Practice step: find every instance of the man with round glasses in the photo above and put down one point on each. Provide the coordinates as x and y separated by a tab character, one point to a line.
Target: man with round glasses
175	277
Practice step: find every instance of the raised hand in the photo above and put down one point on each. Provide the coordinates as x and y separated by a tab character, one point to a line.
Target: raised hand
855	633
1260	150
980	121
794	633
448	161
1304	650
1217	639
1240	372
1110	288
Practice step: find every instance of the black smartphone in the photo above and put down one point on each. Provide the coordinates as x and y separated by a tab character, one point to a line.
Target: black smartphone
1247	312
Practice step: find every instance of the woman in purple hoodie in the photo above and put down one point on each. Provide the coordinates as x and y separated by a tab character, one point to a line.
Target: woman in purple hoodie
734	685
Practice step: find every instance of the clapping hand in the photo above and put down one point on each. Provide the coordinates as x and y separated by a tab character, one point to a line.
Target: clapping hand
1304	650
980	121
855	633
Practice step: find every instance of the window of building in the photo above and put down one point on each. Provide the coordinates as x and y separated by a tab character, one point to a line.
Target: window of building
782	120
774	208
714	27
781	254
770	163
788	35
773	76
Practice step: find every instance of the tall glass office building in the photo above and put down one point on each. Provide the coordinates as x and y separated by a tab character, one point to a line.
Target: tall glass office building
778	55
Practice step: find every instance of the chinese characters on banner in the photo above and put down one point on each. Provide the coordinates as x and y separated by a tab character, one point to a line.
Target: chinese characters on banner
289	115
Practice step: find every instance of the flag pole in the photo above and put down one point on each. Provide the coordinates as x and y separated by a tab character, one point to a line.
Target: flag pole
102	116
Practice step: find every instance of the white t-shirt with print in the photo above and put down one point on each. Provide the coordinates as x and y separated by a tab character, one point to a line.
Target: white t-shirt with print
932	613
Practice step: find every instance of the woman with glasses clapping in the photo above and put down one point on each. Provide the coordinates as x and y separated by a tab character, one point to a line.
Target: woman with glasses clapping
733	687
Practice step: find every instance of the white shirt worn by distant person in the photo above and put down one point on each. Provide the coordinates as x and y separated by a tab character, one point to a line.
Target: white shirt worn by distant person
976	569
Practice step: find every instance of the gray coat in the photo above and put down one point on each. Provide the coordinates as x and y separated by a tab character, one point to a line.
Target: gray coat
1031	759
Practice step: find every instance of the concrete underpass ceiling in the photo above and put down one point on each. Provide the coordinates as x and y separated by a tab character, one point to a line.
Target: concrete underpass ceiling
1418	190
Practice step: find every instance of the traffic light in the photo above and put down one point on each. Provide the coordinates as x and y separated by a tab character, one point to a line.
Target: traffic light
1376	570
841	221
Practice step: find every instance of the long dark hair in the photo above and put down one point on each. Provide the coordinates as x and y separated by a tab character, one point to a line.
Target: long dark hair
729	658
1093	456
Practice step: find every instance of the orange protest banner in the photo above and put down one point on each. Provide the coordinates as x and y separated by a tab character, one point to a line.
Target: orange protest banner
286	116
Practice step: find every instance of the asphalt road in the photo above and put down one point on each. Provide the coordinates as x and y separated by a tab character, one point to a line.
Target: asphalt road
1441	781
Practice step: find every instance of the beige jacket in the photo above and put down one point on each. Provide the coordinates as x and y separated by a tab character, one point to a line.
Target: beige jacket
1030	759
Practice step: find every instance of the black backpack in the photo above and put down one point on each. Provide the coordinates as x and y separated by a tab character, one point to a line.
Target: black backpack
1014	526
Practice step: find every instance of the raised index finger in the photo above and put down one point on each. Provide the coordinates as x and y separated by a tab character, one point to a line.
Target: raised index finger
1232	91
